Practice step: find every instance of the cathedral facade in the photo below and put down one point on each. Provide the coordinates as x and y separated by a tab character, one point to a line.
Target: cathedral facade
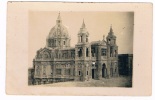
59	62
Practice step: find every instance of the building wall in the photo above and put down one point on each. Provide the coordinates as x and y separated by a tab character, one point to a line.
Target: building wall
94	62
30	76
125	64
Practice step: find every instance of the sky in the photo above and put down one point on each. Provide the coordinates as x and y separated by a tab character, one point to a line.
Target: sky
97	24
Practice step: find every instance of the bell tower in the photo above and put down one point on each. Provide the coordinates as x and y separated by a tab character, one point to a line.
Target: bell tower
83	34
82	45
112	54
82	55
111	43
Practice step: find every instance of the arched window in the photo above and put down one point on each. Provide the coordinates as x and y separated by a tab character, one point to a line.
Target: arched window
103	52
80	52
93	51
111	51
79	73
80	38
64	42
87	52
87	39
55	42
104	70
109	41
115	53
115	69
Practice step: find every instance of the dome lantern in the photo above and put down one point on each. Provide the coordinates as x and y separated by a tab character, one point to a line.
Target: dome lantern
58	36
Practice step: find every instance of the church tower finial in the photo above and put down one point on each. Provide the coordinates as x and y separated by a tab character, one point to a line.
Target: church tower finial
83	24
103	37
111	30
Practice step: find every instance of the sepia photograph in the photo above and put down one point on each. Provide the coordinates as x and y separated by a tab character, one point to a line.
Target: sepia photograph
79	49
82	49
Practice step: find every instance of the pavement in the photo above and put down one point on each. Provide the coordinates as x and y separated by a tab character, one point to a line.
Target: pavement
121	81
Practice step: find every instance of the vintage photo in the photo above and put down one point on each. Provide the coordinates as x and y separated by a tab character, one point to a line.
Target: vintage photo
94	49
97	49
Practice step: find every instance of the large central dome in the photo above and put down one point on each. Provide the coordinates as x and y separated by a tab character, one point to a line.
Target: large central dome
59	30
58	35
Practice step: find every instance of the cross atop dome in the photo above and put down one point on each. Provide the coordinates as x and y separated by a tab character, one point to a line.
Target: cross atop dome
59	19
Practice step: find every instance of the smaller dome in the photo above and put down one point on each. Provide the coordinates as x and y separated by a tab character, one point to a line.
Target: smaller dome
83	29
111	33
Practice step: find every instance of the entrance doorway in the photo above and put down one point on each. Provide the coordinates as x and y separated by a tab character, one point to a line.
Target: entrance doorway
103	70
92	73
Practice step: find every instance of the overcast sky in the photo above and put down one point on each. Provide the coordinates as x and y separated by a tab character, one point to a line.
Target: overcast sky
97	24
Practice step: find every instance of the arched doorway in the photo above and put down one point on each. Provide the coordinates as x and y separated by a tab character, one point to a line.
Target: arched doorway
92	73
103	70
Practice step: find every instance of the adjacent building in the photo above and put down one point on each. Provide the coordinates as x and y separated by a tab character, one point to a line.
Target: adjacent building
125	63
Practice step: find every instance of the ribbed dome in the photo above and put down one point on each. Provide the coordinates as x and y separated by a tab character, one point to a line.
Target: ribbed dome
58	31
58	36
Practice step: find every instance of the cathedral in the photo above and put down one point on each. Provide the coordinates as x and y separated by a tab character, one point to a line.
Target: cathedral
59	62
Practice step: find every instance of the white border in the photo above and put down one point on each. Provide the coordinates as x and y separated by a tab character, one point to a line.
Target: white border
3	12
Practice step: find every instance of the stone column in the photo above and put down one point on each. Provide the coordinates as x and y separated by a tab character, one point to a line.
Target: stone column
76	53
84	71
99	52
84	38
54	70
63	71
76	71
89	50
99	70
78	39
108	69
41	71
84	52
105	72
108	51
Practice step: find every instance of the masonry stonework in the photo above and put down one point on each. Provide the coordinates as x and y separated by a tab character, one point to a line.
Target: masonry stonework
58	62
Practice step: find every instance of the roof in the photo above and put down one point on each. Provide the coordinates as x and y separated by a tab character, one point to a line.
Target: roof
97	42
59	30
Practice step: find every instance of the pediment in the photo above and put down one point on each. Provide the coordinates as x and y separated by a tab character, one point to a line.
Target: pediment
44	53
